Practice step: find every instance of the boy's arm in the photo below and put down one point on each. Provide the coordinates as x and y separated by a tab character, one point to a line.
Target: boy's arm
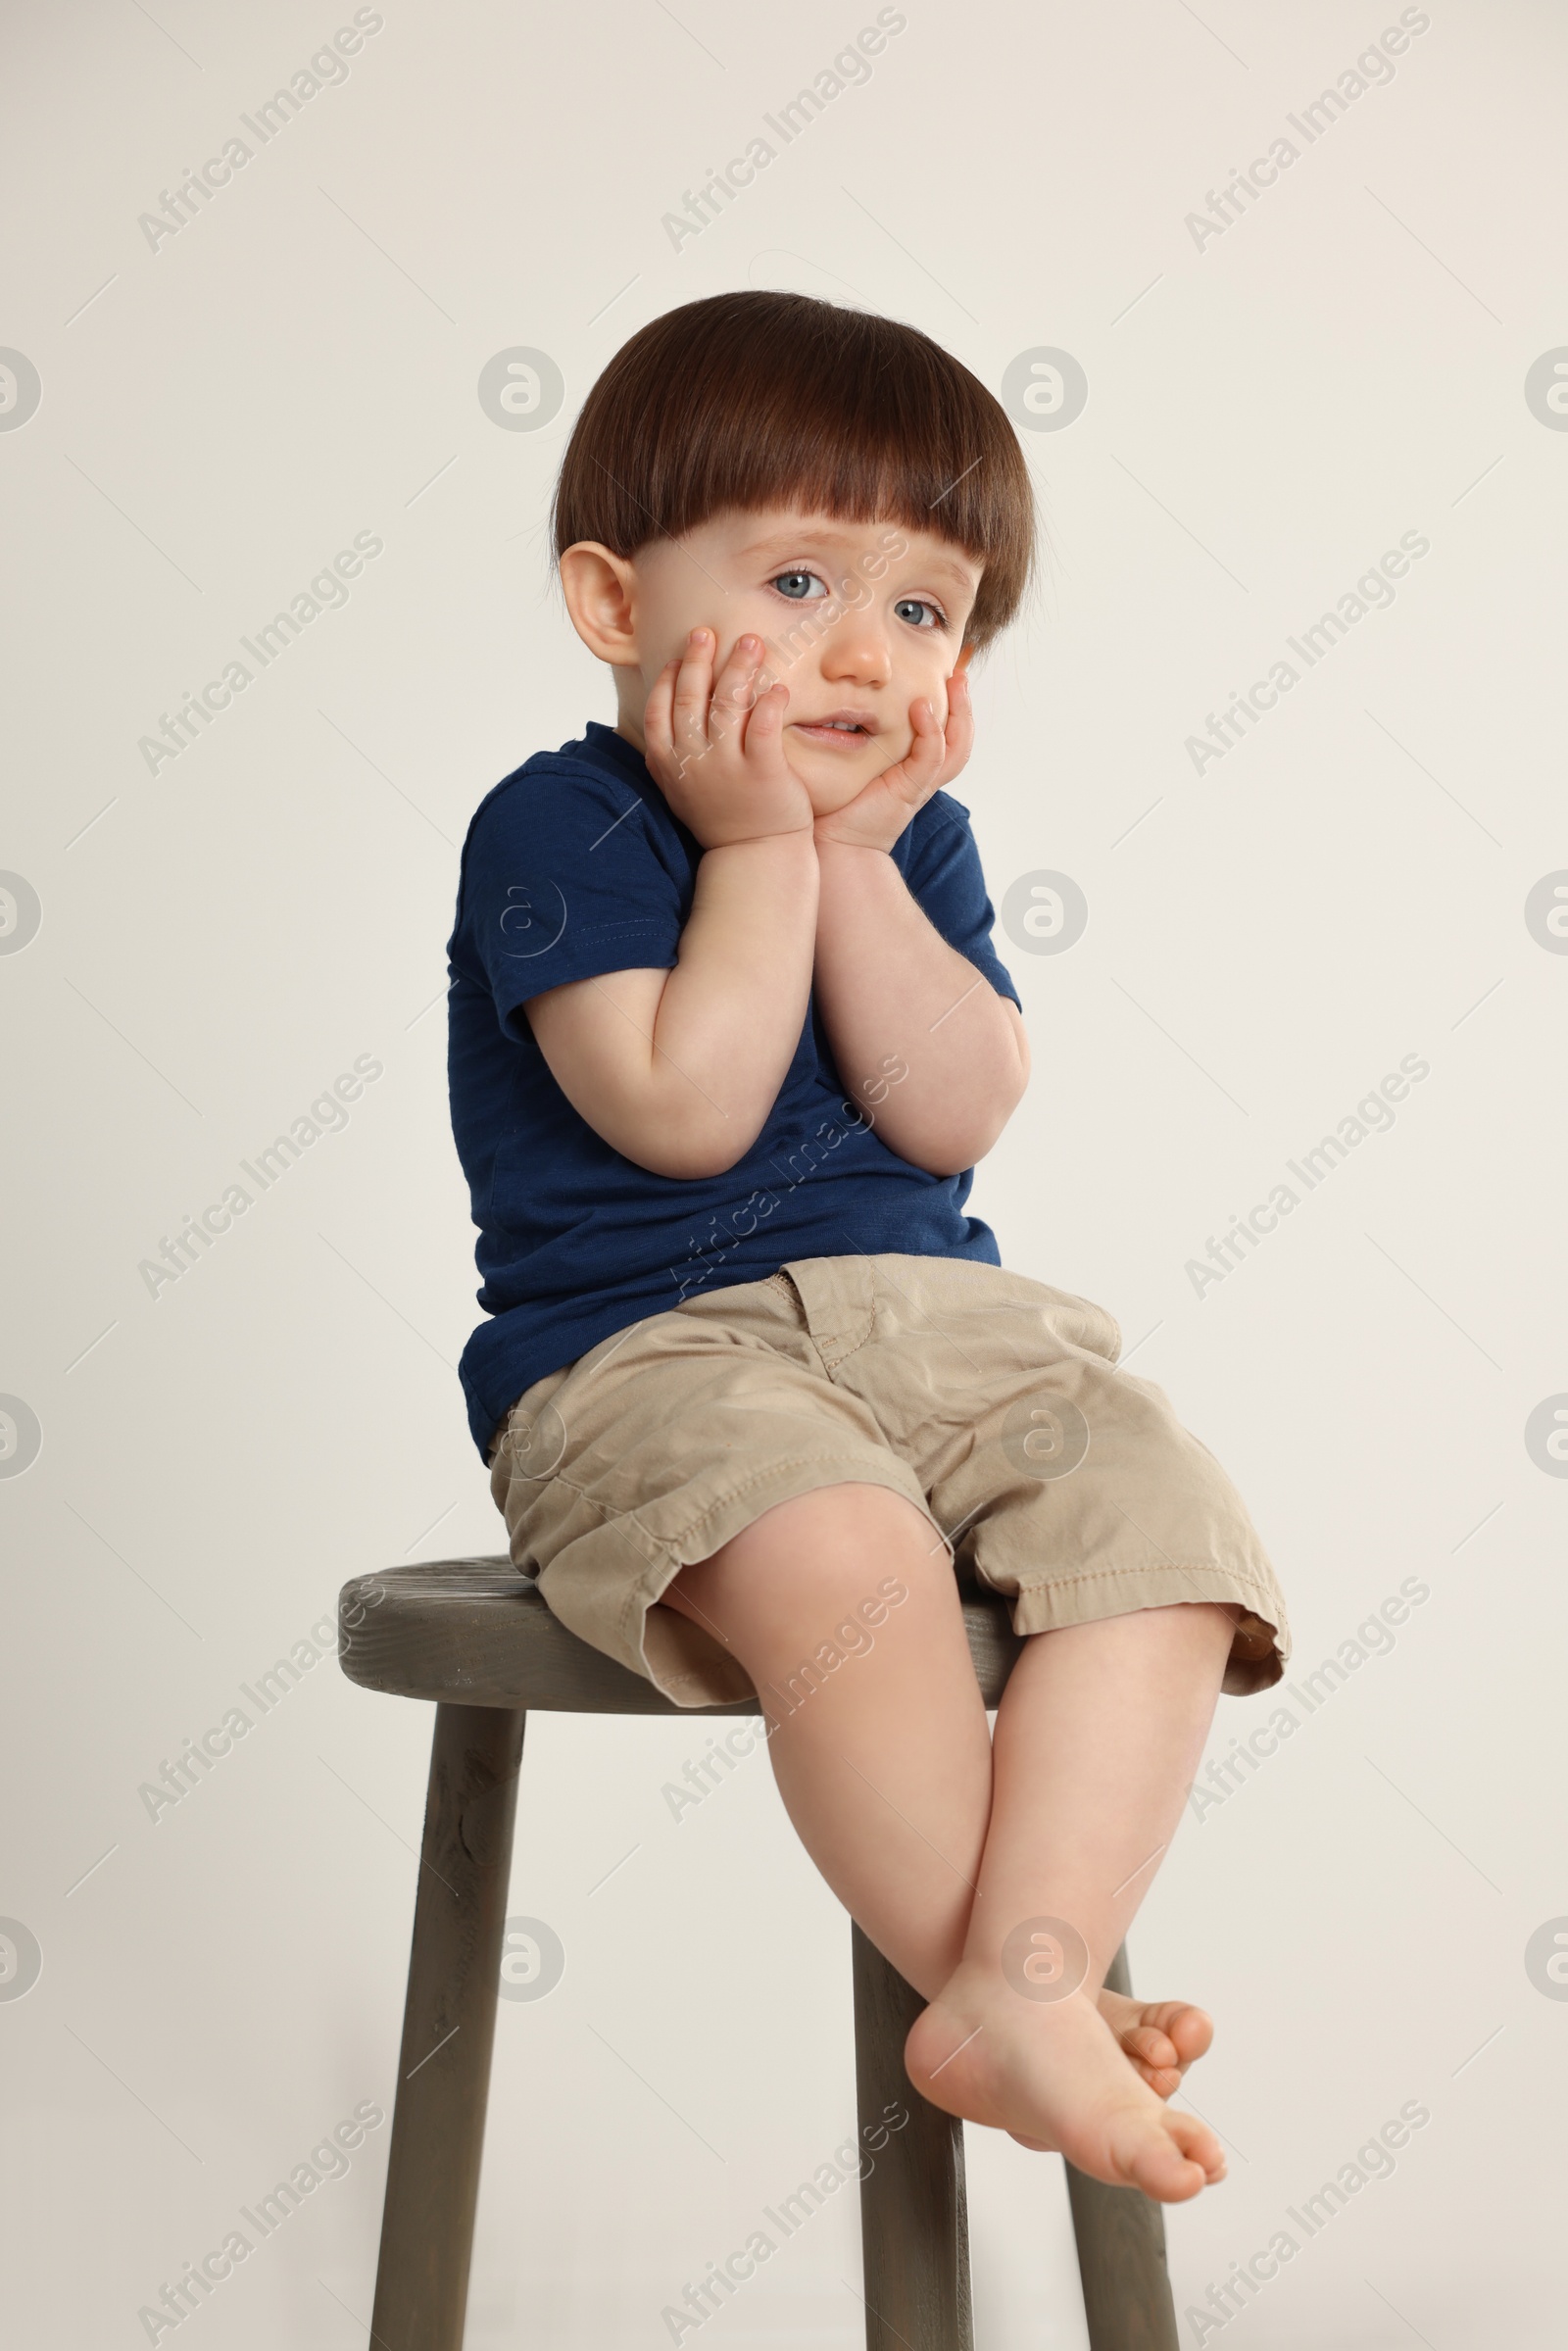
890	988
679	1069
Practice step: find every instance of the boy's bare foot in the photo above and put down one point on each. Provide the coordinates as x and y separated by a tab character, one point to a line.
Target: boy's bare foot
1161	2037
1054	2073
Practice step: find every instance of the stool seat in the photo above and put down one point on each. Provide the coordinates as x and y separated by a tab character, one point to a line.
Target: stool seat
474	1637
476	1632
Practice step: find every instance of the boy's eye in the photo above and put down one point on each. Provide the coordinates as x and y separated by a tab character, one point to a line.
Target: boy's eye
797	585
918	613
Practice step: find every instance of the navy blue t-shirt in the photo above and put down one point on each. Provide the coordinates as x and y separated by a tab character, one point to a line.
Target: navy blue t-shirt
574	867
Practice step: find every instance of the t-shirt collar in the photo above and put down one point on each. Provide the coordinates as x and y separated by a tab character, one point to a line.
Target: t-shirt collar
607	744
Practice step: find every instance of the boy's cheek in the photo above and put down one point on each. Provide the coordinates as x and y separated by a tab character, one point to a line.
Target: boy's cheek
898	744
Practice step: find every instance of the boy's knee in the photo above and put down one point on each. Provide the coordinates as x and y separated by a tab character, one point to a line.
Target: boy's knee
875	1560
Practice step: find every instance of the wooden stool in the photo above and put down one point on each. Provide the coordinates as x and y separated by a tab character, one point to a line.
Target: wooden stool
474	1636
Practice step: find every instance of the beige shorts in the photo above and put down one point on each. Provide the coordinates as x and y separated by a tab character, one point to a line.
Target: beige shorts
990	1401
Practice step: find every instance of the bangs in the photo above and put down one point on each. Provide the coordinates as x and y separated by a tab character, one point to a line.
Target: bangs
753	399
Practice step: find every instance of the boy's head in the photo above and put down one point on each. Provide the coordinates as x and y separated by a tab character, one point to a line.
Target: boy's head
832	482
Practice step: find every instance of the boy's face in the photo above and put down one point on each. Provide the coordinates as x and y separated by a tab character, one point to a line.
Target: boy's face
859	619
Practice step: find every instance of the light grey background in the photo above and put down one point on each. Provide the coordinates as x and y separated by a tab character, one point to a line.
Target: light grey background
1267	413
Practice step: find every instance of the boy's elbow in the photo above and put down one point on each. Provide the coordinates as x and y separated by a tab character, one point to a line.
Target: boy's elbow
688	1166
950	1147
945	1158
688	1154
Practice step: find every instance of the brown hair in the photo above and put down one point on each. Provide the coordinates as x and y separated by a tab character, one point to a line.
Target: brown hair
753	399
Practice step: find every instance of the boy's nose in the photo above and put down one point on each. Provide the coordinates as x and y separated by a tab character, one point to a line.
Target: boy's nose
856	649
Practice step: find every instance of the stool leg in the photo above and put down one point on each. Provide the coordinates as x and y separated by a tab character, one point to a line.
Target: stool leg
913	2220
1121	2251
432	2183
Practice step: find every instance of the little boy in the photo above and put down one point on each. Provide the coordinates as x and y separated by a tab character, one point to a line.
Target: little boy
728	1036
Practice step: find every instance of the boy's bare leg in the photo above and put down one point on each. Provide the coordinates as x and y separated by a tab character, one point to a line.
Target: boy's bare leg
1097	1737
886	1769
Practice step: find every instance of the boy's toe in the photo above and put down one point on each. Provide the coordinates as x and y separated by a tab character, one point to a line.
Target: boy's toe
1156	2048
1163	2037
1164	2165
1191	2031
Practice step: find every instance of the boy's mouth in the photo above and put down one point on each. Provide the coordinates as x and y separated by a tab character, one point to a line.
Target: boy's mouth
840	730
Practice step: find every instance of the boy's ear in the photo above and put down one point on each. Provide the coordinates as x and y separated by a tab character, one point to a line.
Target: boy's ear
598	587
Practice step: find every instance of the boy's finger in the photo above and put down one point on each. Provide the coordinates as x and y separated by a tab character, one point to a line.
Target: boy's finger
922	764
694	687
919	773
735	687
960	715
659	716
765	723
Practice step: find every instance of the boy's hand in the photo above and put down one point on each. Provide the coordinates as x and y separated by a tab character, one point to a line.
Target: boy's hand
715	746
876	816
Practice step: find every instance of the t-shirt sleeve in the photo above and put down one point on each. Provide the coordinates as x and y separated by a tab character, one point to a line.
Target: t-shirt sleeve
945	880
562	880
